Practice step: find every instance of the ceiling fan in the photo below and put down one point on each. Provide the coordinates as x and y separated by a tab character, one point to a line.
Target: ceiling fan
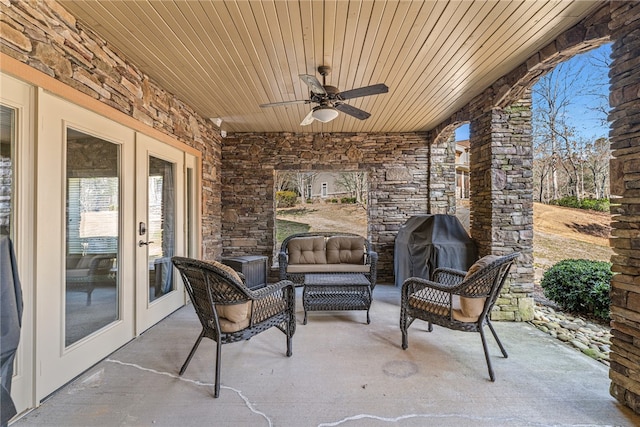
329	98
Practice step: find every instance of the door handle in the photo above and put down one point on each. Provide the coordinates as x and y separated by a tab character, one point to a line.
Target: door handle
142	243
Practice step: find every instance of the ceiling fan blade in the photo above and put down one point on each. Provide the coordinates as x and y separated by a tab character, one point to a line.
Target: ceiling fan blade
364	91
307	120
352	111
277	104
313	83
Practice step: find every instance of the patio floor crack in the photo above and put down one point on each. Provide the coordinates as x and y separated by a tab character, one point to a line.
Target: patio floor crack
199	383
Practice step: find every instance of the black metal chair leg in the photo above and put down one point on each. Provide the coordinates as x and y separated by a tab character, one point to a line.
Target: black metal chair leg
191	353
405	339
493	331
403	327
486	354
218	361
289	335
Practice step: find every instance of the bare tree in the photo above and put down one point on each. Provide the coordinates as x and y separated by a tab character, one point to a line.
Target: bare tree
561	153
598	165
598	82
355	183
554	94
285	180
303	181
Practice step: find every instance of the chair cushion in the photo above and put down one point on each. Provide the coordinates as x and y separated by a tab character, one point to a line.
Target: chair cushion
419	300
345	250
230	271
307	250
471	308
234	312
229	326
233	317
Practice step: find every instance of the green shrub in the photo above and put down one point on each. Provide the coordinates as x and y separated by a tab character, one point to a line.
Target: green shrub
286	199
350	200
568	201
601	205
333	200
580	286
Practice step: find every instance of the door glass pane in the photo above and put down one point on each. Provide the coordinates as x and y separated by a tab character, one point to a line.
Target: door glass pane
7	170
161	233
92	235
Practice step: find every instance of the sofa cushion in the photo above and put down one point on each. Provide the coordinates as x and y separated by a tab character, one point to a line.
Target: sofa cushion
471	308
345	250
328	268
307	250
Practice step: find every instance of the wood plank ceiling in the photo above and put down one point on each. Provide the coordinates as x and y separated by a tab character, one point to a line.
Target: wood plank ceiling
225	58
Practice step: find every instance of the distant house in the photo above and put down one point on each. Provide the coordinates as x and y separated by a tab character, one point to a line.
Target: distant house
325	186
462	169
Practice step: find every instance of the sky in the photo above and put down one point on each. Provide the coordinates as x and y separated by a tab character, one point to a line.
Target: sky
587	122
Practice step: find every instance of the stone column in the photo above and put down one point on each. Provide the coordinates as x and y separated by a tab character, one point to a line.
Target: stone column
442	176
501	198
625	183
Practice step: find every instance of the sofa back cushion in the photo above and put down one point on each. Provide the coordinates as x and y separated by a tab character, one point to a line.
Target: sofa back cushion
307	250
345	250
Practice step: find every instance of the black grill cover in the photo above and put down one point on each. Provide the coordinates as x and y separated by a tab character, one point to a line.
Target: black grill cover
426	242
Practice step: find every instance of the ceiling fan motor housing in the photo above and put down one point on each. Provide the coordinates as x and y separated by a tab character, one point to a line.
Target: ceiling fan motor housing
324	70
331	95
330	100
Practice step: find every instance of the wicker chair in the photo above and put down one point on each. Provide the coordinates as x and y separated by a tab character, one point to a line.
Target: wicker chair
456	299
229	311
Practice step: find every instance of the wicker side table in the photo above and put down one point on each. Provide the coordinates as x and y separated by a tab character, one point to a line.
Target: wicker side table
335	291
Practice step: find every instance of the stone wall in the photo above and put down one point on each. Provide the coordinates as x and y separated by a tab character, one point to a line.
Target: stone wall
402	183
625	183
44	36
502	199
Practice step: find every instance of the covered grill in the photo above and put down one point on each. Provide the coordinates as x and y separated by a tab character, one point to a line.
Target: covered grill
426	242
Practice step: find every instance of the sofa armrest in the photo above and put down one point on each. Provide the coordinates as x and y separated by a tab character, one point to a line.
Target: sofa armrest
372	260
283	261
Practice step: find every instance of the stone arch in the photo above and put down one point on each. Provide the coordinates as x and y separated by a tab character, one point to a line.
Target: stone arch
589	34
501	208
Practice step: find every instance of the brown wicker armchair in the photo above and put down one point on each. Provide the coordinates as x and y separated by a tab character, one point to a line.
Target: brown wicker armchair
229	311
456	299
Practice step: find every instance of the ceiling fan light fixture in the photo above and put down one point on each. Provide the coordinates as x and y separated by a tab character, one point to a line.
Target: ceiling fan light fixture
324	114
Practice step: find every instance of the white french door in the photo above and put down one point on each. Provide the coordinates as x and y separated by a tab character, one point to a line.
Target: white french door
85	275
160	230
110	215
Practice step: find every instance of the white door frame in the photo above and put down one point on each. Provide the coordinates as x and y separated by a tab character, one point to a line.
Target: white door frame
21	97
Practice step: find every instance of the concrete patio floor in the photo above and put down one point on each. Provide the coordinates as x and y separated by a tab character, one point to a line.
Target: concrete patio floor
343	372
